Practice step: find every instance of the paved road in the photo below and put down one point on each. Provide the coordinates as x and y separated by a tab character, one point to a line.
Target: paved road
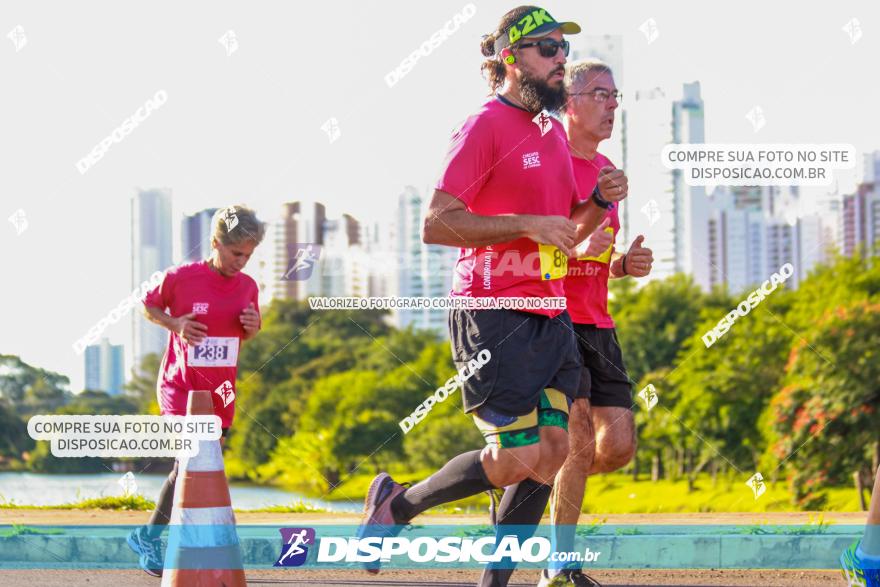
52	578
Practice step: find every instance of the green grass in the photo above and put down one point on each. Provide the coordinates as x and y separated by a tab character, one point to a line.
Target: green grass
140	503
124	503
22	530
816	525
619	494
606	494
297	507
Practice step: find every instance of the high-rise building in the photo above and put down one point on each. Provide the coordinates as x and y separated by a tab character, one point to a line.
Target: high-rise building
407	231
650	203
195	235
606	48
783	246
819	231
343	268
438	266
872	167
382	259
691	206
105	367
755	230
300	224
736	240
861	220
423	270
150	252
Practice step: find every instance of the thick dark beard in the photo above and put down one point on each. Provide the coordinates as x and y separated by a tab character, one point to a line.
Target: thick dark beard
537	95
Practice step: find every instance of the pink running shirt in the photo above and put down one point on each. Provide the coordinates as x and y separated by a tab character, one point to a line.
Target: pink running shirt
505	160
586	286
218	302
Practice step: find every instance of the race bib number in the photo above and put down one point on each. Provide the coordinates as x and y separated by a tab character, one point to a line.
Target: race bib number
215	351
605	257
554	263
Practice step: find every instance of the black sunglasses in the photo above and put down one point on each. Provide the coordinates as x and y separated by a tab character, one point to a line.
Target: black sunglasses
548	47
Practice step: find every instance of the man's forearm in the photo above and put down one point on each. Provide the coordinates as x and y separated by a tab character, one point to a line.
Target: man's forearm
460	228
158	316
587	216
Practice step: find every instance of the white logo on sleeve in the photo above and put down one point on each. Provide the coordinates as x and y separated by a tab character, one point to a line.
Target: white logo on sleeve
544	121
226	393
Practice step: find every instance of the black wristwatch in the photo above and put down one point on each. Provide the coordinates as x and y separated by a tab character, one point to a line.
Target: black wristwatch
599	200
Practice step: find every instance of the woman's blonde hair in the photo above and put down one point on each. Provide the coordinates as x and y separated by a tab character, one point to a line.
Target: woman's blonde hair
237	224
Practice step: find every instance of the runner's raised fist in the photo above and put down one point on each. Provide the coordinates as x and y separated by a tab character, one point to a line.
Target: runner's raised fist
639	259
613	185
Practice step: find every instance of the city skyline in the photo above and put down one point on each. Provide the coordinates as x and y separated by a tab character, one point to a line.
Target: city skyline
242	131
749	238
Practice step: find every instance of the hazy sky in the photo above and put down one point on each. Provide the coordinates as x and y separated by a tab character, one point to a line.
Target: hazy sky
247	126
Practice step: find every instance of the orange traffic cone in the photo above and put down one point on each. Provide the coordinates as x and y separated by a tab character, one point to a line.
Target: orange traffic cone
203	548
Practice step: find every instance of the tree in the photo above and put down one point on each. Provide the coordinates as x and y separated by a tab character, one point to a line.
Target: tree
142	387
86	403
14	438
31	390
723	389
654	321
445	432
292	335
100	403
825	414
263	416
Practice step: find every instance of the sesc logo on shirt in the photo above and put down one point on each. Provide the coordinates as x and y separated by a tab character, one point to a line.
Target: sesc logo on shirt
531	160
200	307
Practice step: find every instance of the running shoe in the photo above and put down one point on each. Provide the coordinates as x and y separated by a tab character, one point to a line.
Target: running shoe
148	549
378	520
854	570
568	578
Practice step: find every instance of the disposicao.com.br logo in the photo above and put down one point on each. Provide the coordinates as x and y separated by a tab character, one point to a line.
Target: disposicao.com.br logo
447	549
295	544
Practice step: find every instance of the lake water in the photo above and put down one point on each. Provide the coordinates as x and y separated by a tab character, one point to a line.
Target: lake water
40	489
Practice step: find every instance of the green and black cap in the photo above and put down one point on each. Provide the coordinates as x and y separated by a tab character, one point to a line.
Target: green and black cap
528	22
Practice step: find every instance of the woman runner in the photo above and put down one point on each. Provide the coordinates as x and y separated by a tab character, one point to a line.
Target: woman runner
208	307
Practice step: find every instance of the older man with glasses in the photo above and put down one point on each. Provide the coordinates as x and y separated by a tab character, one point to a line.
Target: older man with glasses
601	427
